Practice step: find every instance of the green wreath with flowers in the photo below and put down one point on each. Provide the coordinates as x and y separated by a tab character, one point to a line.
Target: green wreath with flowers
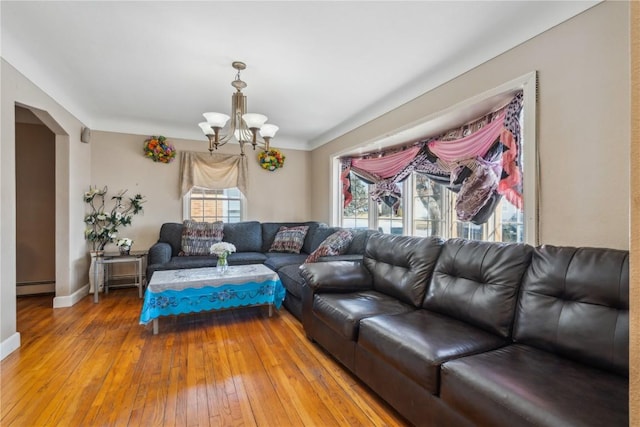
159	150
271	160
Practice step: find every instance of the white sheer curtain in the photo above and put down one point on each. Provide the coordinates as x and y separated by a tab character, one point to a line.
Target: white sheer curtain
212	171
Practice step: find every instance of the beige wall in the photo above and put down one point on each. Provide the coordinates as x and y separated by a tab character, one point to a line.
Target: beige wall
72	174
35	204
583	118
117	161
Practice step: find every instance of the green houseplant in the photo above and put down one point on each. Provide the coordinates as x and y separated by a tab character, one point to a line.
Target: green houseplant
102	225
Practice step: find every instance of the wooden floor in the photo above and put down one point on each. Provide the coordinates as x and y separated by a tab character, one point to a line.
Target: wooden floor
95	365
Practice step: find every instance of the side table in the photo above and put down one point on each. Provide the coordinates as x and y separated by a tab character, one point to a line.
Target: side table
136	257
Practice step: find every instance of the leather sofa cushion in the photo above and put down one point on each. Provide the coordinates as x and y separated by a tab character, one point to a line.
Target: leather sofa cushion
401	266
346	257
359	243
575	302
478	282
519	386
418	342
343	312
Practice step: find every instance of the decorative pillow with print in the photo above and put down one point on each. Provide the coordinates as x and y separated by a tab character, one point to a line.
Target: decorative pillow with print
336	244
197	237
289	239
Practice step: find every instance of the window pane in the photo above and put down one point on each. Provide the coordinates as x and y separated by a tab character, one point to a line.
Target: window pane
512	223
390	222
434	215
232	193
428	206
356	215
215	205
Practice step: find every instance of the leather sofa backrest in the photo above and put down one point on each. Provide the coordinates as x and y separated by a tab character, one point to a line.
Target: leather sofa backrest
478	282
359	242
401	266
575	302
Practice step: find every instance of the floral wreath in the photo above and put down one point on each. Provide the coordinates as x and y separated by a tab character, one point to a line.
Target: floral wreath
159	150
271	159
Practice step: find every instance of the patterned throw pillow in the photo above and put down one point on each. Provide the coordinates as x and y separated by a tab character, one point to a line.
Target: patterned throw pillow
289	239
197	237
336	244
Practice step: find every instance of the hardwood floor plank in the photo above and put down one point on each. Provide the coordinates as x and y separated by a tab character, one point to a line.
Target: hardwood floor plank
94	365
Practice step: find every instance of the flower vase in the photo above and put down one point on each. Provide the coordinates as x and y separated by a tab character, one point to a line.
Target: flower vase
222	265
92	273
124	250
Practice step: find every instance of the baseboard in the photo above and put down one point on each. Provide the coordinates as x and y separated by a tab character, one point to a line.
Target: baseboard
9	345
68	301
35	289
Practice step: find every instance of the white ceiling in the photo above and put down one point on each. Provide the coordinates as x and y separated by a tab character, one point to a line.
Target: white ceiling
316	68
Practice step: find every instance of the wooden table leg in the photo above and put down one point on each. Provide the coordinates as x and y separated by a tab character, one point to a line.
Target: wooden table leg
270	309
155	326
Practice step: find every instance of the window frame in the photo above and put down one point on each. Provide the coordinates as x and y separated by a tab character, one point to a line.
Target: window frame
186	203
528	83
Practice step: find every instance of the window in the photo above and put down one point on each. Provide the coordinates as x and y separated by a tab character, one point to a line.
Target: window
362	212
201	204
356	215
428	208
434	215
387	220
430	203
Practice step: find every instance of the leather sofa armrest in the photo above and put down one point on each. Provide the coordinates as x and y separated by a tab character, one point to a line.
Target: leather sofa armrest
159	253
335	276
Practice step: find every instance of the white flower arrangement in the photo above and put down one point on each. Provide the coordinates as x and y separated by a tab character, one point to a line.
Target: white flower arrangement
222	249
102	226
125	241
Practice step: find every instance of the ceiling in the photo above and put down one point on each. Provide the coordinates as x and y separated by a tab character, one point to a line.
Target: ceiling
317	69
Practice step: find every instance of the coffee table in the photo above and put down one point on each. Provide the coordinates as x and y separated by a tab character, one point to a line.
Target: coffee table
174	292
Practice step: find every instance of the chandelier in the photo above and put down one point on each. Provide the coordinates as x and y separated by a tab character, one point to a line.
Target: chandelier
243	127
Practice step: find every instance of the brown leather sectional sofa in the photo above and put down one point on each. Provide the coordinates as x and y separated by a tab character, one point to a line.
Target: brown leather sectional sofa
475	333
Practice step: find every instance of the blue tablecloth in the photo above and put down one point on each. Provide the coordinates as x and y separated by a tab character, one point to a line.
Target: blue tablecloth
203	297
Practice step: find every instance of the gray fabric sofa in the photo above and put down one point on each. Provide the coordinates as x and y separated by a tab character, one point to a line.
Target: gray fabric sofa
468	333
253	240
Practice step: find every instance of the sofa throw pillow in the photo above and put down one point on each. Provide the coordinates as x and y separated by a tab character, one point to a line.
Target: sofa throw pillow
336	244
289	239
197	237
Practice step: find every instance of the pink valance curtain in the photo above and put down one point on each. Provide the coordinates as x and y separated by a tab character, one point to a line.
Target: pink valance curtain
481	161
469	147
386	166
